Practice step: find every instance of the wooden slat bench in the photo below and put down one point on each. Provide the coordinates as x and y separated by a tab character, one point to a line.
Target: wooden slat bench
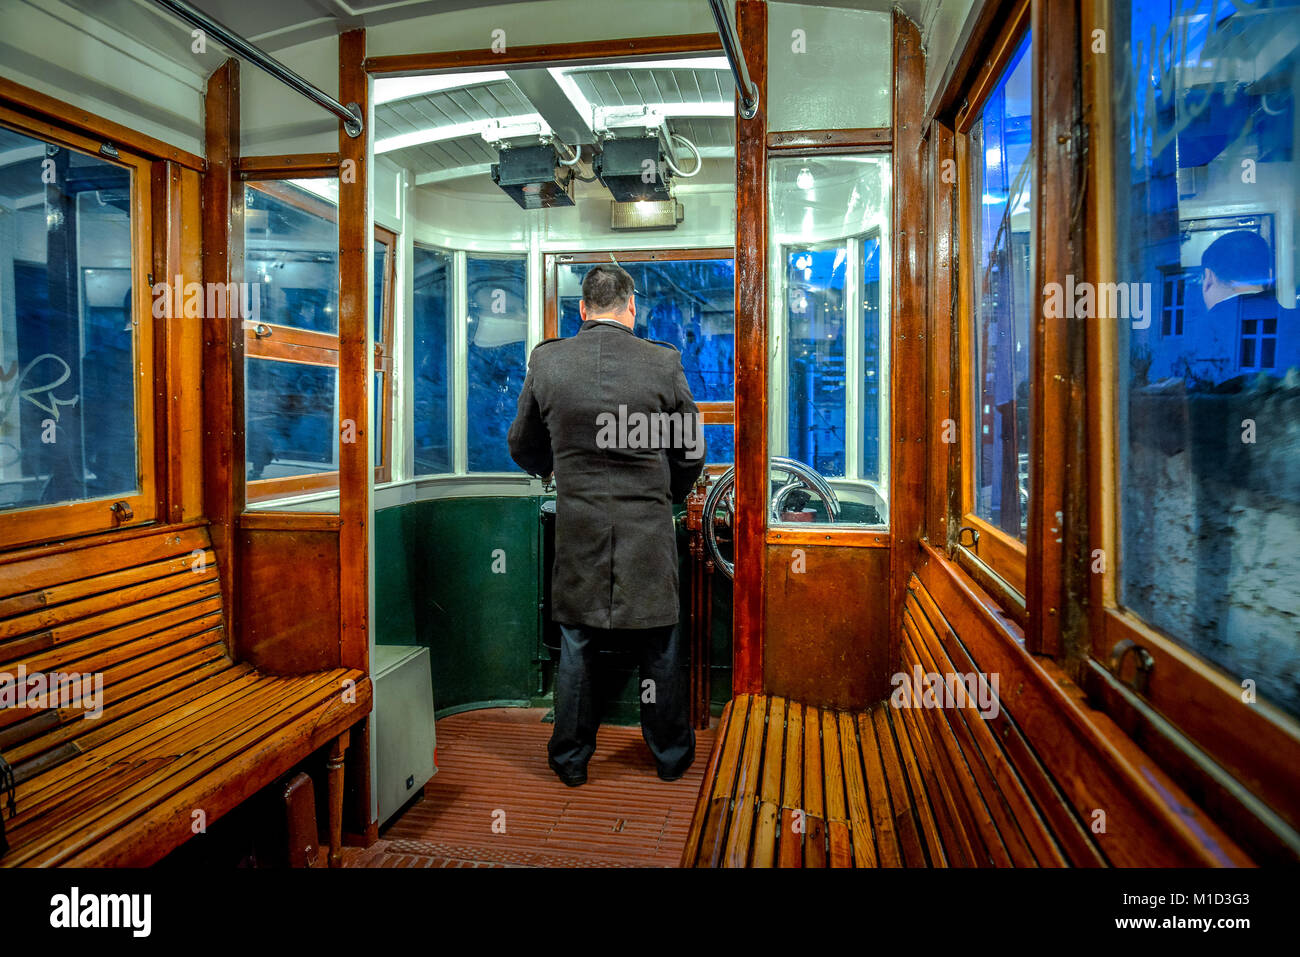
791	784
183	729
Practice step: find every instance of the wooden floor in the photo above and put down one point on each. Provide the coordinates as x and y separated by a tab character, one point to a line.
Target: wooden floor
492	768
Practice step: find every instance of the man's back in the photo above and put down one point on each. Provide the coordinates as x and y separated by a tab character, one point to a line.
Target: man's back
613	416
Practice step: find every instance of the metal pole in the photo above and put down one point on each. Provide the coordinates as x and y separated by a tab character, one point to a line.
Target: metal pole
731	47
350	114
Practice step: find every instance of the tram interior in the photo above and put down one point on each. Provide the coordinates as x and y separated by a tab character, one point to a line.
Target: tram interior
962	310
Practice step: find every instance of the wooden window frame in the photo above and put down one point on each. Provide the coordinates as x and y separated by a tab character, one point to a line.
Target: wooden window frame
84	517
995	558
308	347
712	413
1201	700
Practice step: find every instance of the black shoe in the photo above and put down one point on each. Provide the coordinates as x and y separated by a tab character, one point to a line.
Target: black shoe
674	775
573	779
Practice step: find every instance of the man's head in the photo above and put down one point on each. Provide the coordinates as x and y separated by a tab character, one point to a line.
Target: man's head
1234	264
607	293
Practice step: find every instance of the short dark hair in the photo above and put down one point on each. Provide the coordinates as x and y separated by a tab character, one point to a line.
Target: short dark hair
1240	256
607	286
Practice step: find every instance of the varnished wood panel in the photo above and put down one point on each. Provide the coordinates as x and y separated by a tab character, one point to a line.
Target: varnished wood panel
355	473
289	616
828	635
751	360
908	380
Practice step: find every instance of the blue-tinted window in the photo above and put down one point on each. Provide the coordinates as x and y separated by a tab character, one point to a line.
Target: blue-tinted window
1000	194
687	302
289	409
291	249
720	445
1208	414
815	306
875	391
67	341
432	298
498	333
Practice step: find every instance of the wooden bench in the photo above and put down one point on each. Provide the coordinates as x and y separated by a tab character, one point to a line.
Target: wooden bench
184	728
793	785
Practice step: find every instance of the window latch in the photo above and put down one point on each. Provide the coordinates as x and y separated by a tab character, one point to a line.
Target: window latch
966	531
1141	673
122	512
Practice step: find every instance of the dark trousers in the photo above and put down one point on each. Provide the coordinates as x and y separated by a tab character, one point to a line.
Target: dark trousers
665	719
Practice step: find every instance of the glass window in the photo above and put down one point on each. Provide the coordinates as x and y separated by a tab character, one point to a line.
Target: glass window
810	49
1000	161
291	345
497	297
290	415
829	406
1208	419
68	342
383	305
720	443
291	248
432	291
690	303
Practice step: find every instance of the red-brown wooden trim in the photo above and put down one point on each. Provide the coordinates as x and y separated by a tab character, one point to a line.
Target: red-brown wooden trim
908	388
552	53
295	165
266	490
752	474
223	340
355	473
869	139
267	521
46	107
827	535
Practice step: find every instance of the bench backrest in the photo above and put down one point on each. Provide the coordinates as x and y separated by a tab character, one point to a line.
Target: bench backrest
102	637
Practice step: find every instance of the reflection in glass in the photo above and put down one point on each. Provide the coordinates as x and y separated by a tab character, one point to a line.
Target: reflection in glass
498	333
291	248
291	415
382	252
690	303
1208	376
67	342
1001	185
829	406
431	330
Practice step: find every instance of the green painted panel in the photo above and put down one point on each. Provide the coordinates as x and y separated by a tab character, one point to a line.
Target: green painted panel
460	576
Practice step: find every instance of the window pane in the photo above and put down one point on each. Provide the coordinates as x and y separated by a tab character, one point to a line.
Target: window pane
1209	422
690	303
67	342
291	248
377	417
498	335
291	416
382	253
829	402
874	372
810	49
720	444
431	330
1002	184
815	370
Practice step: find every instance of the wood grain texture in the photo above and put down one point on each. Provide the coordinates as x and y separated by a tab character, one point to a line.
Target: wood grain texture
751	361
828	633
289	618
550	53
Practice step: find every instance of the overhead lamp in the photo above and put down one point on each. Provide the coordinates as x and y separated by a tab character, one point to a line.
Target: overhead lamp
805	179
633	169
531	176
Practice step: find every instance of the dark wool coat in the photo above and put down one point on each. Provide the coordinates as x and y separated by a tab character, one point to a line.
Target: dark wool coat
615	545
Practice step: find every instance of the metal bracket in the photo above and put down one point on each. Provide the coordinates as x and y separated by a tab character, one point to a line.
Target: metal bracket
1145	663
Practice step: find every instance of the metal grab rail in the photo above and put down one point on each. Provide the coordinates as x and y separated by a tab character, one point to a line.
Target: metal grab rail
353	124
731	47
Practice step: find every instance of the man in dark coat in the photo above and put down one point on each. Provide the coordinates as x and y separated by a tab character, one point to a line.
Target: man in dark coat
612	416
